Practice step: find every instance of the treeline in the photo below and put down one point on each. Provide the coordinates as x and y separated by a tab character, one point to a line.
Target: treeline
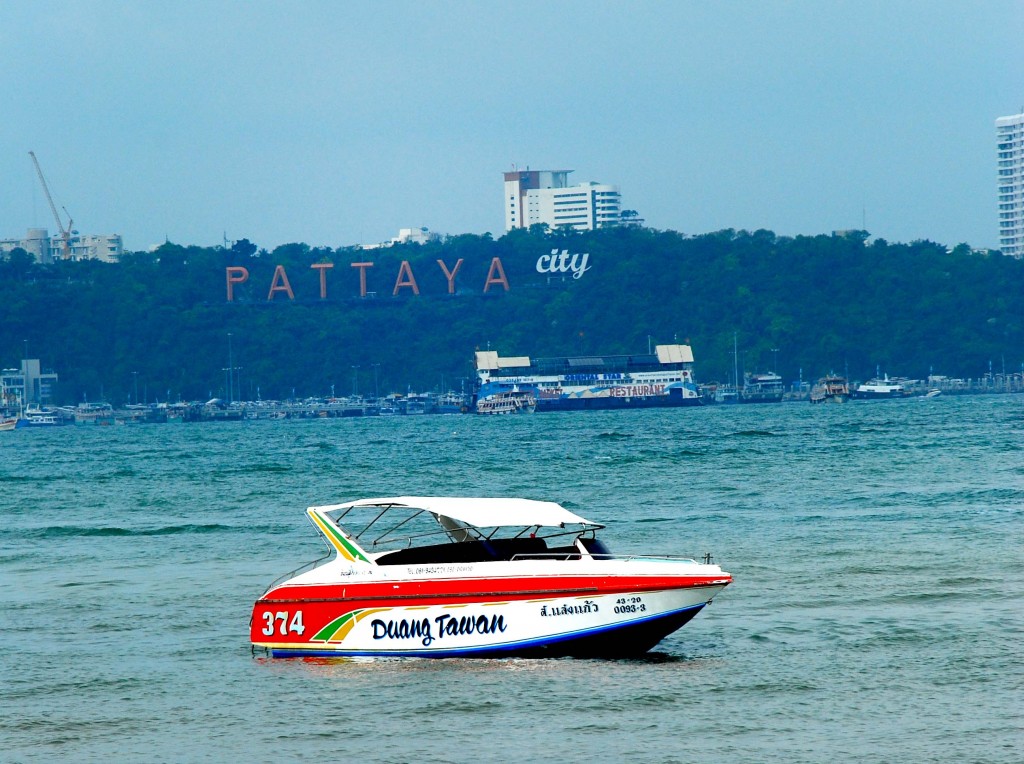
160	321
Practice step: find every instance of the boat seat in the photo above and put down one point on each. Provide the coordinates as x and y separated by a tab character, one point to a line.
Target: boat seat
506	549
564	553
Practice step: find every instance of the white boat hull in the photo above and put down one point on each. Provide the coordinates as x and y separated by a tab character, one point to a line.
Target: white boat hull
603	624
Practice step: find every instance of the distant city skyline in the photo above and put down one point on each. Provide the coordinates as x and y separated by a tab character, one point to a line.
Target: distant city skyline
337	125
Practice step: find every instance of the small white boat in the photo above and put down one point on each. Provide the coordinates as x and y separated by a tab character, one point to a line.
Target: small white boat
932	393
879	389
443	577
8	423
36	417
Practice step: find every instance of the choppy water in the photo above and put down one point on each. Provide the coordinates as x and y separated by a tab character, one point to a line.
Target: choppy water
877	614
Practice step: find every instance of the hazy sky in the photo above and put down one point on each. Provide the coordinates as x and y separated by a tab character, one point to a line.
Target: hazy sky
339	123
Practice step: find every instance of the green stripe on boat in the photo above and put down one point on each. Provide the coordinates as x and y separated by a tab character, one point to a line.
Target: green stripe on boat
327	632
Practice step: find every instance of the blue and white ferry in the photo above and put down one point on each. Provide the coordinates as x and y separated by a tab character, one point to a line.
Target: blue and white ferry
663	378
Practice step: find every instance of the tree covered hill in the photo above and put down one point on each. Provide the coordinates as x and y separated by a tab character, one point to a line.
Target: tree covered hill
811	304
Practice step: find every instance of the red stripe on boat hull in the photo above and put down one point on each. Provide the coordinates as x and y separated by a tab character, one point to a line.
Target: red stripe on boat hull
519	587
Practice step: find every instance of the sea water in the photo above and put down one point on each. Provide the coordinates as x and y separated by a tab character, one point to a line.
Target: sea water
877	613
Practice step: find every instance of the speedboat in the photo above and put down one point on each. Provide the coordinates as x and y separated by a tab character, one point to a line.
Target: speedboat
492	577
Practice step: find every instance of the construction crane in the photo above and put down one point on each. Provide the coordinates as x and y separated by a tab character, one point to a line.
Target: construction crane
65	233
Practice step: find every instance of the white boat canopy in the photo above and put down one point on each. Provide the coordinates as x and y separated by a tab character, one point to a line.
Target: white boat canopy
478	512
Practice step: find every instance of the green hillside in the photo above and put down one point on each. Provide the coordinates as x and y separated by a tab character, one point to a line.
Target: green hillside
823	302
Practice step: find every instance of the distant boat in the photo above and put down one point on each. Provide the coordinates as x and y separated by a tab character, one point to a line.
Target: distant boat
8	423
512	402
830	389
762	388
452	403
388	406
416	404
879	389
727	394
36	417
935	393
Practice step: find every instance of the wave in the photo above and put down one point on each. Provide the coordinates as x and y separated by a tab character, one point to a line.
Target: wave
613	435
10	478
252	469
914	597
753	434
78	531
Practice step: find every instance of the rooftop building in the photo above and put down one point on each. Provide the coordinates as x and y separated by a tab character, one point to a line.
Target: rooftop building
545	196
407	236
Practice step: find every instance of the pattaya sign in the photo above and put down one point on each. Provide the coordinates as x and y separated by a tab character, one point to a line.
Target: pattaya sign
237	274
558	262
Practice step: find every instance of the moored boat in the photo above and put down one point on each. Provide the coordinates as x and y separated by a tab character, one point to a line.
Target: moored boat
36	417
508	402
831	389
452	403
442	577
880	389
727	394
762	388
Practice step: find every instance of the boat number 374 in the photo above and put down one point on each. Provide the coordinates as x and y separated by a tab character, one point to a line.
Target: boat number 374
284	626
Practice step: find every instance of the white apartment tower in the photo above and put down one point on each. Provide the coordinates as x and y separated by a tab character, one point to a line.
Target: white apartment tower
545	196
1010	143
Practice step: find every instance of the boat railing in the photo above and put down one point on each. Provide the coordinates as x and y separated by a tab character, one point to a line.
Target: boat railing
575	555
301	569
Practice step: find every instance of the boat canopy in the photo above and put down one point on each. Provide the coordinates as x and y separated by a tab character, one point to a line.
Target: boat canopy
477	512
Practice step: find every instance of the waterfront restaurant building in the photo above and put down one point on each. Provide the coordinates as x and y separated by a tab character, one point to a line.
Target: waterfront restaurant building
1010	145
545	196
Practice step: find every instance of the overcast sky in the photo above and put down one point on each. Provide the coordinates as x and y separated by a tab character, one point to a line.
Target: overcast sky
338	123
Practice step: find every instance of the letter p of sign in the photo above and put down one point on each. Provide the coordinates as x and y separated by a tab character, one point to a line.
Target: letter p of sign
236	274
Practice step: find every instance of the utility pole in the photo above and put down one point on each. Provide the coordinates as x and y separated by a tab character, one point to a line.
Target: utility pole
231	371
735	362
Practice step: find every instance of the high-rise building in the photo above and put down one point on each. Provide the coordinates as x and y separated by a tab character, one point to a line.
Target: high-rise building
1010	143
545	196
